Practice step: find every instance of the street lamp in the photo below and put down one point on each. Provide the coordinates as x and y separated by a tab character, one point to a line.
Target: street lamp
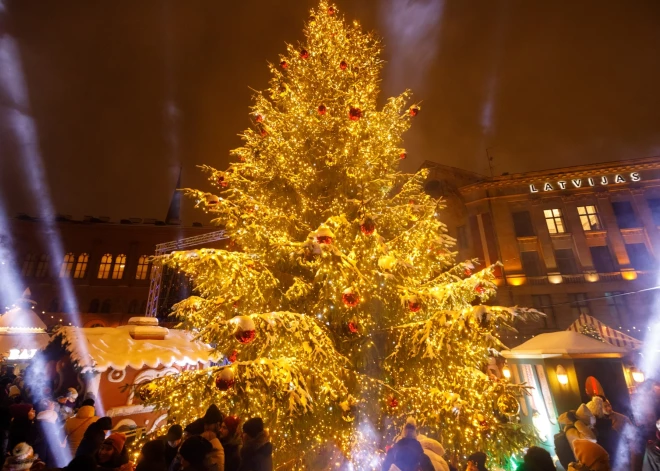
562	376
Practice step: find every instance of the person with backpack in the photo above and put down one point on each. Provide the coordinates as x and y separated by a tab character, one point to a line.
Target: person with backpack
75	427
590	456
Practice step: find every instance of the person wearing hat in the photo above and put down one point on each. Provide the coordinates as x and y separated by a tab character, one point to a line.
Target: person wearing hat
231	442
112	455
212	419
172	443
94	436
22	457
257	451
194	454
75	427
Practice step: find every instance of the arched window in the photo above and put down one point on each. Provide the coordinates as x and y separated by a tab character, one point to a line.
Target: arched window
106	307
81	266
120	263
142	268
133	307
67	265
104	267
29	264
42	266
94	305
54	305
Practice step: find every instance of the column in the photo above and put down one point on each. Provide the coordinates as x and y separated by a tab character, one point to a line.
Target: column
644	213
614	237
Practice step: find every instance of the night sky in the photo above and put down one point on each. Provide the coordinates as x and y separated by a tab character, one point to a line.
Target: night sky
123	92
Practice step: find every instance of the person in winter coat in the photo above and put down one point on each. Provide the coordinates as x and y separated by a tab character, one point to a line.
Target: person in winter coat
93	437
606	436
257	451
67	403
407	453
23	428
537	459
652	454
477	462
216	458
231	442
212	419
194	453
432	448
75	427
152	457
172	443
112	455
578	425
48	444
22	457
590	457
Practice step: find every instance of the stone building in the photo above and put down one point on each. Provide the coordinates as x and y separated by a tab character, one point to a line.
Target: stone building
572	240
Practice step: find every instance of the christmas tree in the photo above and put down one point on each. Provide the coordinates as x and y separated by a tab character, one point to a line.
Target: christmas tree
339	310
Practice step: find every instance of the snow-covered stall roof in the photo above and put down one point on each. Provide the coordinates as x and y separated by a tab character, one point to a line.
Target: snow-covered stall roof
22	333
565	343
97	349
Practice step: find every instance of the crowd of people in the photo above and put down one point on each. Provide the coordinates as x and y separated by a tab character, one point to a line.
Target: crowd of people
66	434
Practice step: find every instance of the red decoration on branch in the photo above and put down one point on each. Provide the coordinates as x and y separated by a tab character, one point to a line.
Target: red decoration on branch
368	226
354	114
233	357
321	109
392	402
245	329
467	271
480	289
304	54
258	118
403	155
225	379
331	11
284	64
352	327
343	65
350	298
414	305
222	182
414	110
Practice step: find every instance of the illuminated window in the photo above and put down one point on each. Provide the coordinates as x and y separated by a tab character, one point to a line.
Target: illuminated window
589	218
67	265
554	221
142	268
81	266
29	264
104	267
42	266
120	264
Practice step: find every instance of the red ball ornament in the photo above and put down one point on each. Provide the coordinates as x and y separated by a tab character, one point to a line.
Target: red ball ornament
304	54
258	118
480	289
324	235
393	402
321	109
331	11
350	298
368	226
324	239
414	110
343	65
222	182
467	272
354	114
245	329
262	131
403	155
225	379
284	64
352	327
411	202
414	305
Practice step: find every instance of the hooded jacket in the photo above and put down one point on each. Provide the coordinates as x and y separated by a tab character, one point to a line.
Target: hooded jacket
75	427
257	453
217	456
432	448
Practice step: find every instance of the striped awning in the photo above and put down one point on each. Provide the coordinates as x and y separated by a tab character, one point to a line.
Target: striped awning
608	334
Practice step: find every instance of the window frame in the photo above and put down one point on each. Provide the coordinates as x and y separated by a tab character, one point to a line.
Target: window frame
573	259
142	270
523	226
29	264
42	266
586	218
612	261
647	259
66	267
628	220
538	262
81	266
119	267
105	267
579	303
555	221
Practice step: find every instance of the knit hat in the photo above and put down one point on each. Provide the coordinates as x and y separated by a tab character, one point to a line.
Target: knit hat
479	458
253	426
22	457
20	411
195	449
232	422
153	450
591	455
595	406
116	440
196	427
174	433
14	391
88	402
72	394
213	415
104	423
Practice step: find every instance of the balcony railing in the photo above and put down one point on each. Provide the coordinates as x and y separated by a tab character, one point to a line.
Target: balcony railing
579	278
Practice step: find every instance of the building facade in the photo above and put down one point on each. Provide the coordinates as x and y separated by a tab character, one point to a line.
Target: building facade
106	265
574	240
